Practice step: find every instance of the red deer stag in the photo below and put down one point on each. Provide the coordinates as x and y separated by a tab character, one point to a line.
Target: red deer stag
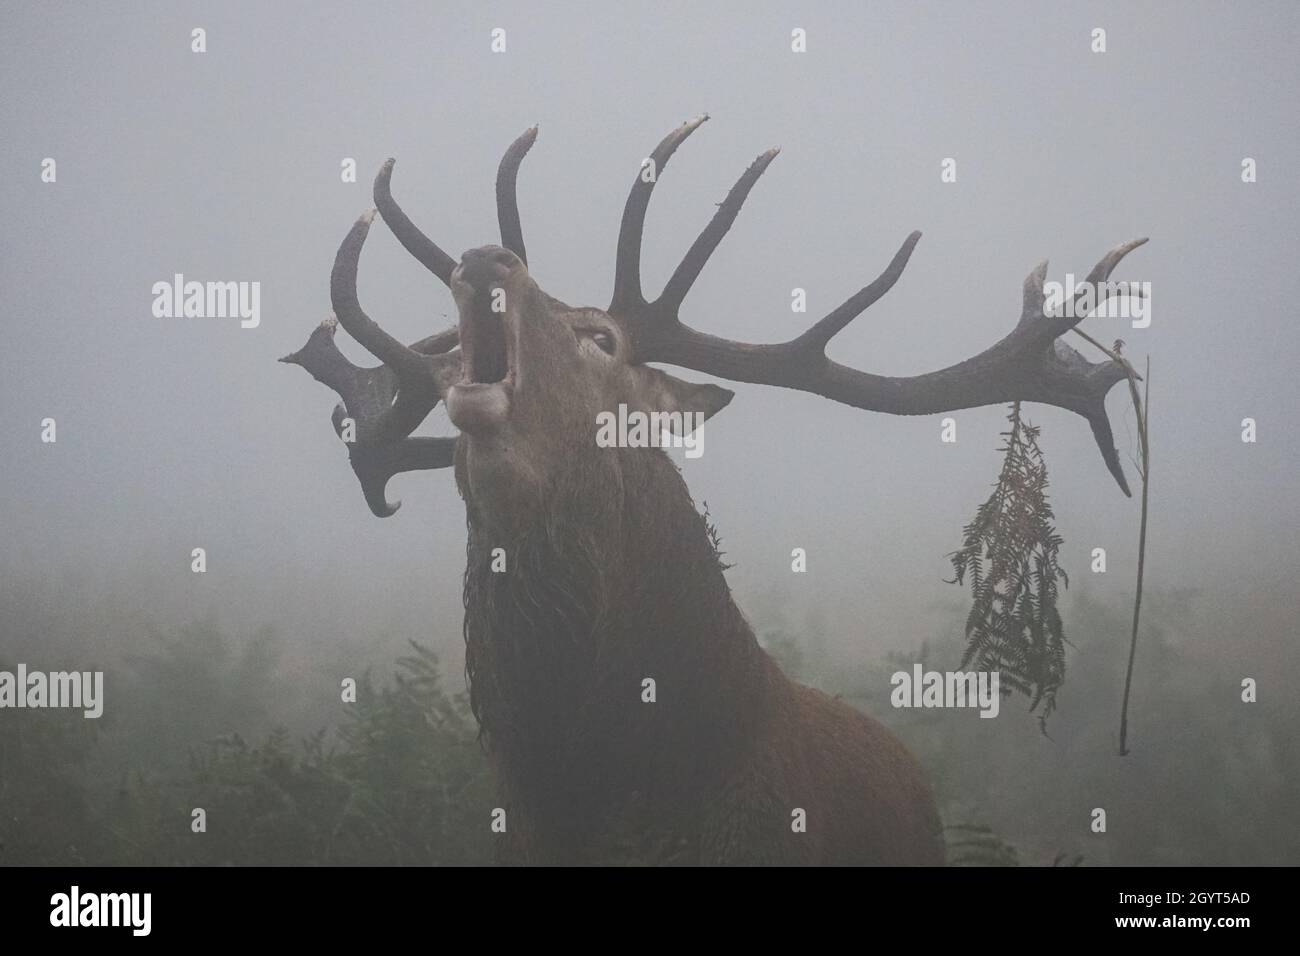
611	575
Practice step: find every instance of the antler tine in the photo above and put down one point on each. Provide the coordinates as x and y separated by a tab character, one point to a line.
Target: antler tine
627	268
693	263
512	233
343	295
1105	438
819	336
1035	298
1100	274
408	234
421	379
375	464
358	387
438	343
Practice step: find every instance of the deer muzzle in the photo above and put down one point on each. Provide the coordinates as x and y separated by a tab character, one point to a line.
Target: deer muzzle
489	286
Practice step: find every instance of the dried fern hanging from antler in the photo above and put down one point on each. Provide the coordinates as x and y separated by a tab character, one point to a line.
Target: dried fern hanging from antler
1009	552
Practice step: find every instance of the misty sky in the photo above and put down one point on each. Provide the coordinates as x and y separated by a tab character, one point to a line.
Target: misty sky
183	433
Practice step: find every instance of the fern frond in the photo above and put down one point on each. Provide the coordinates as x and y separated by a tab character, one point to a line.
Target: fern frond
1009	556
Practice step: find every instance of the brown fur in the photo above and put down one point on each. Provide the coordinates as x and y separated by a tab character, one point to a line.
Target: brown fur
615	579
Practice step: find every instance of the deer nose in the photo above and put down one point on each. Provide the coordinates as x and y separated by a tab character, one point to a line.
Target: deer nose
480	267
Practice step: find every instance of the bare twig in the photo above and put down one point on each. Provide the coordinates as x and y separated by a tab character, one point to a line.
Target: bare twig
1141	410
1144	410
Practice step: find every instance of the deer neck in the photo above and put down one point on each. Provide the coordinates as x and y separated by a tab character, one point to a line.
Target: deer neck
610	640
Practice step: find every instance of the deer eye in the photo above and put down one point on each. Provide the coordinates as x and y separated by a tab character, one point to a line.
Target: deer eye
604	341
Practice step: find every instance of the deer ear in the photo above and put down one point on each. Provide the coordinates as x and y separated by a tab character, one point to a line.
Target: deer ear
656	391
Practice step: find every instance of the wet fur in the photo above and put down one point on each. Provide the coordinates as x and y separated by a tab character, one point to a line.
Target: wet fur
614	579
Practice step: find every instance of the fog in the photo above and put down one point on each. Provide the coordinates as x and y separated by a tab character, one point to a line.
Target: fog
175	434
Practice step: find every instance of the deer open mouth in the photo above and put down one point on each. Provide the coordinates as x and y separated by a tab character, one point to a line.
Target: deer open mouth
485	359
481	399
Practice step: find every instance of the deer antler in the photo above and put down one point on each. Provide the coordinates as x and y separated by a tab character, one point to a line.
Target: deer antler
1028	364
368	395
389	401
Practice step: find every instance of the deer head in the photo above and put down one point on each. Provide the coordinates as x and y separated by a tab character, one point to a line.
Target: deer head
535	376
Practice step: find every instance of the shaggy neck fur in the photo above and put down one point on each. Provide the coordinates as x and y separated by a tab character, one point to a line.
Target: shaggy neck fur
614	580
